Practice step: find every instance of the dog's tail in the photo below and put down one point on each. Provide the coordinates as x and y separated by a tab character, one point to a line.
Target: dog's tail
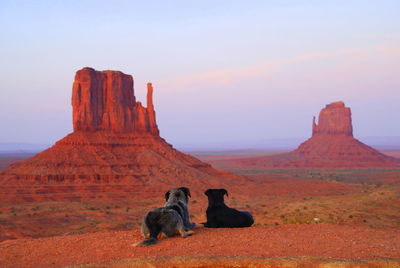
147	242
150	223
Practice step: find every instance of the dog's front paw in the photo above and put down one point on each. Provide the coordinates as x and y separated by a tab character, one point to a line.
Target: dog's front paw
188	233
136	244
199	225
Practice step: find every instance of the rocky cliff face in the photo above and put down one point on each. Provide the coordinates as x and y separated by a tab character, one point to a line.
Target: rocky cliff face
334	119
106	101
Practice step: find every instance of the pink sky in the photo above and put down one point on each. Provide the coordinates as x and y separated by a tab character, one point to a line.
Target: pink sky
224	72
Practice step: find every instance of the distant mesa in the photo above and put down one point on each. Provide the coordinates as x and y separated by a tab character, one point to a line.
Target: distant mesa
115	141
332	145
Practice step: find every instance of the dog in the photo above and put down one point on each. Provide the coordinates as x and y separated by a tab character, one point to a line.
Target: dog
220	215
170	220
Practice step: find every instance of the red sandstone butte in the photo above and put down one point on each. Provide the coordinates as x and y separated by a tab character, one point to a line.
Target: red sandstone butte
106	101
115	141
334	119
332	145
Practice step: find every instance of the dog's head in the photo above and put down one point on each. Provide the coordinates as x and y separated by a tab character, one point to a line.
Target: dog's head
178	194
216	195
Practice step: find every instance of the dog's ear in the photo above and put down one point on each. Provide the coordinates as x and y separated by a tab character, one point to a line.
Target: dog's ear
207	193
186	191
167	195
223	191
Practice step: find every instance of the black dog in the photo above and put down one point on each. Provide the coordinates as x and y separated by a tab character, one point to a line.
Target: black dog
220	215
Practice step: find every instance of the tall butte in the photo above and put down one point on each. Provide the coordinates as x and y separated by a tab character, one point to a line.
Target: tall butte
115	143
332	145
106	101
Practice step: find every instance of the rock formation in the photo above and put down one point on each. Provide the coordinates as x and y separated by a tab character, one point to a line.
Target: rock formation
334	119
332	145
106	101
115	141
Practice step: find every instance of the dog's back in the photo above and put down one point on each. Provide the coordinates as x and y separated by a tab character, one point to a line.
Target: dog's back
220	215
169	220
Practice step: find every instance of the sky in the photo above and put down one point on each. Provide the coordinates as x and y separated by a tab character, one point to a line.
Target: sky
225	73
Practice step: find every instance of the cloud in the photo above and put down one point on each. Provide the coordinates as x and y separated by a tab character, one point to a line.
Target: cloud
229	76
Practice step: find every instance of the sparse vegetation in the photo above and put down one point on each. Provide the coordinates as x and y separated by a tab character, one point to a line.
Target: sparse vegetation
369	202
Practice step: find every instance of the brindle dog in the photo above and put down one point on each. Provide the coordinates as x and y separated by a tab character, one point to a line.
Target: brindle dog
169	220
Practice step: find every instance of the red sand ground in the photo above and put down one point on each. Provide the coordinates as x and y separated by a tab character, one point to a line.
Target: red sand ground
279	194
345	242
337	193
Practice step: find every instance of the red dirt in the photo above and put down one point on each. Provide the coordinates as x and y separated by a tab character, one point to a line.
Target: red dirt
345	242
245	262
91	208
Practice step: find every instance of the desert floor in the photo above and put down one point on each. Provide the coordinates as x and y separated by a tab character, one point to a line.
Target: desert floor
345	218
